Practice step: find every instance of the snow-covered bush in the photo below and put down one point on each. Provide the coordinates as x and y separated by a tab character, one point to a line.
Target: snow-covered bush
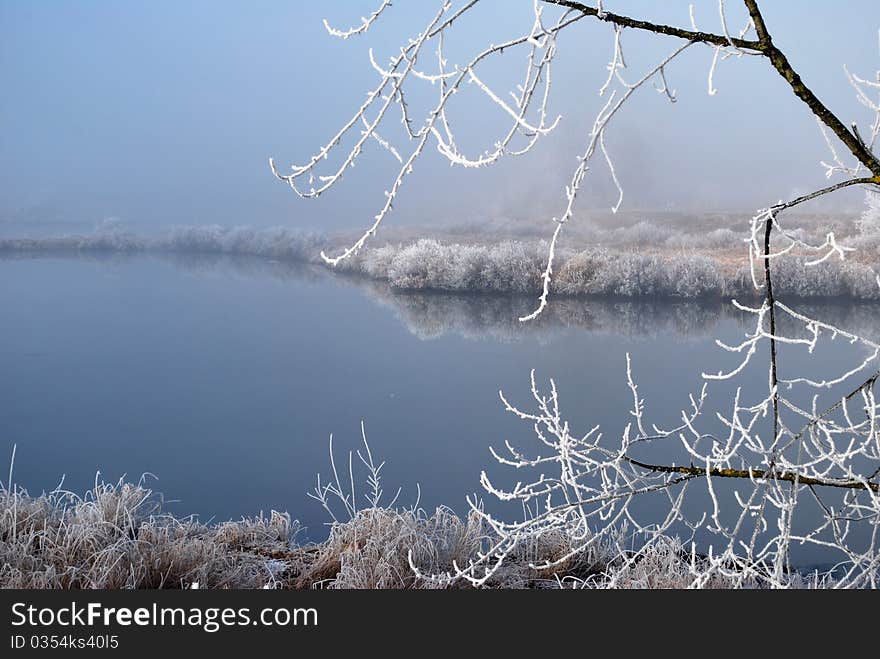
432	265
694	276
514	266
275	242
723	238
869	221
795	277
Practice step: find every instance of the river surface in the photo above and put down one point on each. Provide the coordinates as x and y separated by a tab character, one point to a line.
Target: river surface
224	377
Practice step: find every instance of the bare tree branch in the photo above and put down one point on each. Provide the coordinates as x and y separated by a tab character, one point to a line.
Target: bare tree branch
657	28
831	188
755	474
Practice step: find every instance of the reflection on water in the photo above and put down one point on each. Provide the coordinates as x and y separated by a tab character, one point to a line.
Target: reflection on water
432	314
429	315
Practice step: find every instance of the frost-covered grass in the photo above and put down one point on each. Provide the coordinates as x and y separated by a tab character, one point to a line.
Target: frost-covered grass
116	537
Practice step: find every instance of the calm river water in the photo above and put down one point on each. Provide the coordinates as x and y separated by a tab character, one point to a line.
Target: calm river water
224	377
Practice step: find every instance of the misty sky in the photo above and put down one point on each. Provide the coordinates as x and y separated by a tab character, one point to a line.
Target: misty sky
165	112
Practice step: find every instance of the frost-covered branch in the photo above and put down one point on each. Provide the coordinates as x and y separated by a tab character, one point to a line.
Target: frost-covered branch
774	468
365	25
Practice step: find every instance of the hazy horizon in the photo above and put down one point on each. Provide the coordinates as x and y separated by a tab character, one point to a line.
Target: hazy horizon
166	114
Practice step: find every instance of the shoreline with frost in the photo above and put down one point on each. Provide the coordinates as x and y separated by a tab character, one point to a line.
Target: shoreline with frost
632	267
115	536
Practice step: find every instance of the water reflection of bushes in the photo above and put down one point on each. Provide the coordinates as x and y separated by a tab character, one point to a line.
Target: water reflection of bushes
429	313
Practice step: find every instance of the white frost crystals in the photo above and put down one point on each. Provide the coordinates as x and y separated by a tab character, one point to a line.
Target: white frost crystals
812	490
391	92
869	222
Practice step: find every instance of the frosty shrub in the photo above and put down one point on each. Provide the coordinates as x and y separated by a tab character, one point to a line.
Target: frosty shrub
869	221
507	267
694	276
716	239
515	267
796	278
274	242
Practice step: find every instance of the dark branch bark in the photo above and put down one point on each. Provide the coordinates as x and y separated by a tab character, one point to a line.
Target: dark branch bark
756	473
831	188
690	35
771	303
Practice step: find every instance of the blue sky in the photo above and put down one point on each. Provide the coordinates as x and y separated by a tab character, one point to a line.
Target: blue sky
165	112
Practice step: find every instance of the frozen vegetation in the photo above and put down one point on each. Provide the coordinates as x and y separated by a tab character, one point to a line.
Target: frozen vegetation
639	260
116	536
277	242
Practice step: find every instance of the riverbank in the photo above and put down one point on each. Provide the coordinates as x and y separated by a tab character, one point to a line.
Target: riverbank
640	260
116	537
